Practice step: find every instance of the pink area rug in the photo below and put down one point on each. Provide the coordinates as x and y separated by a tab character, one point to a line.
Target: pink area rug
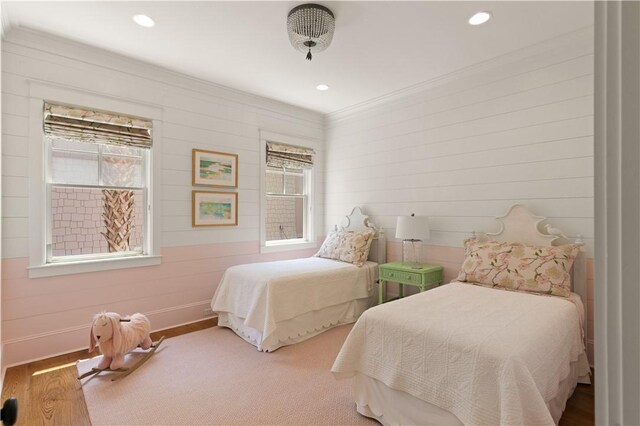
214	377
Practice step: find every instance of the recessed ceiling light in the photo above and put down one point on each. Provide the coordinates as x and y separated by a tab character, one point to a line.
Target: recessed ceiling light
480	18
143	21
322	87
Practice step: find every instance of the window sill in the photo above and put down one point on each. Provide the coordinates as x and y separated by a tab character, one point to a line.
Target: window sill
287	246
94	265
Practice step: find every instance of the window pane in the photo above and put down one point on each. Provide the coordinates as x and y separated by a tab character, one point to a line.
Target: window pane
58	143
285	218
79	168
123	150
294	184
275	183
122	171
84	220
278	180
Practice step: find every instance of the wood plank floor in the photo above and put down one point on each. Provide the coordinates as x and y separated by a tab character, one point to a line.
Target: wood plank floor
49	394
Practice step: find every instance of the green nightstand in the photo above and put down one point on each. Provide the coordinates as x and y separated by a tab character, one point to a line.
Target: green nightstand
424	277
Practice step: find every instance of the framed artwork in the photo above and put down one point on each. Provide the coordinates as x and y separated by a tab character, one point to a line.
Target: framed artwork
211	208
213	168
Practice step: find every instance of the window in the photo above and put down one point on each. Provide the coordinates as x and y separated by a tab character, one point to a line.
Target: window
97	185
288	195
286	204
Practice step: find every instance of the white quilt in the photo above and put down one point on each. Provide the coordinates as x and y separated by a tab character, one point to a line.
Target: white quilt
488	356
266	293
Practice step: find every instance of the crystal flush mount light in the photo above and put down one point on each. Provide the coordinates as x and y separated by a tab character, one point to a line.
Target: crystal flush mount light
310	27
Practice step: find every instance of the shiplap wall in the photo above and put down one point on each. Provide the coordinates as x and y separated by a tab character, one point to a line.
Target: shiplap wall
48	315
462	150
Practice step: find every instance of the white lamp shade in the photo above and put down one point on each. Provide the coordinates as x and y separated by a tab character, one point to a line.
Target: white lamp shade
412	227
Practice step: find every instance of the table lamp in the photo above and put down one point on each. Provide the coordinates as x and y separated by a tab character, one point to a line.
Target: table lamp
412	229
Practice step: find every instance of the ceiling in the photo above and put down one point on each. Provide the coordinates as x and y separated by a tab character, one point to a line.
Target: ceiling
378	47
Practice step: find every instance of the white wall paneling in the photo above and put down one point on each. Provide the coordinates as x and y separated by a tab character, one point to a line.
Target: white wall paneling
516	130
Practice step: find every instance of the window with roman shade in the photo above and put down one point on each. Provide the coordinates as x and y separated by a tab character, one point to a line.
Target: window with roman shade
84	125
288	190
289	156
97	174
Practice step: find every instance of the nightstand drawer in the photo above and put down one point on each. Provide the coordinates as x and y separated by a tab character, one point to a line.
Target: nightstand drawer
392	275
424	277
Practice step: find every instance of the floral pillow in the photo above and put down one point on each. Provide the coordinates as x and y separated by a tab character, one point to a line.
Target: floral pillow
347	246
519	266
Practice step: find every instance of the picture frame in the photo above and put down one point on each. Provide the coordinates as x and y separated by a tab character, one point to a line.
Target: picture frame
214	208
213	168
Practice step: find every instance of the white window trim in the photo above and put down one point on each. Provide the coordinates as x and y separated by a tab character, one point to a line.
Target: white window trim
39	93
310	225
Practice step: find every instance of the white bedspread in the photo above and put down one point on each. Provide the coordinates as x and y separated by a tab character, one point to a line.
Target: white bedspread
266	293
488	356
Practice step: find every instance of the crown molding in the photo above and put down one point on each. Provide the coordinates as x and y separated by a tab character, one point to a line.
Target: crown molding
71	49
31	38
563	41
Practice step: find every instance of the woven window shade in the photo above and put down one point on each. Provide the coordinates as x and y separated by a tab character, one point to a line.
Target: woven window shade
84	125
289	156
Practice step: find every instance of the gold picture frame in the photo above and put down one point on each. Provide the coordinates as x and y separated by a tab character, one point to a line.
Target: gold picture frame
213	168
214	208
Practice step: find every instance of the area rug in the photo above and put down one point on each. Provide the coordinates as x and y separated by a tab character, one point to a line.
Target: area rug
213	377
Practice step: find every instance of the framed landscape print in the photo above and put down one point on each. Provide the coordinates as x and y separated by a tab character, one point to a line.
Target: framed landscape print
211	208
213	168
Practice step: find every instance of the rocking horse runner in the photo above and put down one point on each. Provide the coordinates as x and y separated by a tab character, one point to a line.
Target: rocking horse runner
116	336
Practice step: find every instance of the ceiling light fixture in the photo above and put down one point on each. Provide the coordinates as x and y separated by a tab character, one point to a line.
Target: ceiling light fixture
143	21
310	27
322	87
480	18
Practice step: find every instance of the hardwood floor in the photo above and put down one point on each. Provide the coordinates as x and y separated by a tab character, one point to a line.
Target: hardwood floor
48	392
580	409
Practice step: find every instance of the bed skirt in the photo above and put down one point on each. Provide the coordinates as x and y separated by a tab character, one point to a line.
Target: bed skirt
297	329
393	407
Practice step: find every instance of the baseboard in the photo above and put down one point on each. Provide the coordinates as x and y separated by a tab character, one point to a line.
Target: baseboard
61	342
214	317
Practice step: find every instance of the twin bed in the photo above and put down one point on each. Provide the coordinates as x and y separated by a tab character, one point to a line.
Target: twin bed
457	354
274	304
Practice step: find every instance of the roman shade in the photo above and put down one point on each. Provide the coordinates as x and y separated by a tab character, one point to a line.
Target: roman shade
289	156
86	125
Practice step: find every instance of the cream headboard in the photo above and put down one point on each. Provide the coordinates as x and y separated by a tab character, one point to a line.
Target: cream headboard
358	221
521	226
